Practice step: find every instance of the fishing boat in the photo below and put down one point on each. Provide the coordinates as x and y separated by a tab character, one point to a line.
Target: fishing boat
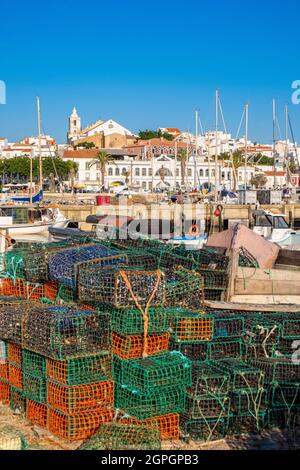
27	219
274	227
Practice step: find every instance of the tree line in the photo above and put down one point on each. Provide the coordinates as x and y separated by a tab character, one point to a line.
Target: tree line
18	168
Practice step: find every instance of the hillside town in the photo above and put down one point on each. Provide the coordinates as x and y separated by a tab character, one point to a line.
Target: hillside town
171	160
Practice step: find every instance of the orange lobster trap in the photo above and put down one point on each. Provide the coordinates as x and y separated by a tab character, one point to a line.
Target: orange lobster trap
168	425
4	392
78	398
77	426
133	346
4	372
16	376
36	413
14	354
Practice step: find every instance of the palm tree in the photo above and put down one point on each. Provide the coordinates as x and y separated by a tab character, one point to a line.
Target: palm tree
126	174
183	158
102	159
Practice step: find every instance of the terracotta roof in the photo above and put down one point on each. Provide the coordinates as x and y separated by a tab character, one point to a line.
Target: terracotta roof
159	142
275	173
90	153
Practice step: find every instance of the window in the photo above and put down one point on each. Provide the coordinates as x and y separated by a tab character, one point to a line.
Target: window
110	172
97	166
212	173
98	176
189	172
75	123
200	172
117	171
124	171
177	171
137	172
150	172
87	177
144	185
150	185
87	165
144	171
206	172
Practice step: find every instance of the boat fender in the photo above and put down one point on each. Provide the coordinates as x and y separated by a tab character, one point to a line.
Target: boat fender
218	210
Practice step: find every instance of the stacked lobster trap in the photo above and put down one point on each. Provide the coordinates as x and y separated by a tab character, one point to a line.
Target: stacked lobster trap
111	342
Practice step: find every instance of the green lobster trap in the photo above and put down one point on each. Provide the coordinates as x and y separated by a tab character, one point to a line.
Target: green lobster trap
17	401
208	380
33	364
130	321
115	436
207	406
243	376
187	326
163	370
34	388
143	405
203	429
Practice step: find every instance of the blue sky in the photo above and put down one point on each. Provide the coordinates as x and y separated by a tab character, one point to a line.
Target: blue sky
147	64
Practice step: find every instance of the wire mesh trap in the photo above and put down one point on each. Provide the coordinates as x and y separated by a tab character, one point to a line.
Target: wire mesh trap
80	370
208	380
133	346
17	401
130	321
33	364
11	316
190	327
4	392
196	352
167	369
207	406
77	426
122	287
143	405
227	349
36	413
243	376
77	398
34	388
63	332
124	437
62	265
203	429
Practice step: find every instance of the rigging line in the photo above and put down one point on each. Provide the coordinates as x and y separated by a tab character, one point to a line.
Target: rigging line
222	115
293	138
240	125
278	127
55	154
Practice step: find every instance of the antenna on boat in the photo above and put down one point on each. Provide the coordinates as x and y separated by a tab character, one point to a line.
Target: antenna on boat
40	146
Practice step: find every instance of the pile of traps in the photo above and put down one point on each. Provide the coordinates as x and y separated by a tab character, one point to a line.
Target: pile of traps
111	343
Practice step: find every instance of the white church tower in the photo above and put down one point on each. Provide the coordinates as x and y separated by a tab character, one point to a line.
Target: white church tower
74	126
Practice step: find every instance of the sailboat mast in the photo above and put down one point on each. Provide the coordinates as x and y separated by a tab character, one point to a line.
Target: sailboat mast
195	159
246	144
286	153
40	146
216	147
30	189
274	141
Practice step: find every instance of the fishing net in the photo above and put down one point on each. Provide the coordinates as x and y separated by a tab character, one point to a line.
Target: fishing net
246	423
16	376
207	406
277	369
184	288
248	401
124	437
167	424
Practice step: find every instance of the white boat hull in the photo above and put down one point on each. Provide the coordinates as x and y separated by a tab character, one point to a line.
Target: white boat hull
26	229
